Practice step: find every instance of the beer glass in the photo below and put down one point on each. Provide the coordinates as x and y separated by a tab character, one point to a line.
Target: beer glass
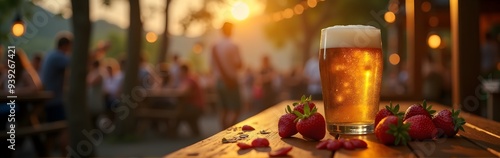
350	60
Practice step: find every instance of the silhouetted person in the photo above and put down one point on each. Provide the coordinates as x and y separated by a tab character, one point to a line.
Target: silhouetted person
54	78
190	98
95	92
266	76
36	61
489	54
226	63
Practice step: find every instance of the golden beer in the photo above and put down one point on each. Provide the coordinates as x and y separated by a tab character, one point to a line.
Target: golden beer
350	60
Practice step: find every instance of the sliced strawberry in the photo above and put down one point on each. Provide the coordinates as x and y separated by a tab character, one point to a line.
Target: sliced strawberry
322	144
334	145
244	146
260	142
348	145
358	143
280	152
247	128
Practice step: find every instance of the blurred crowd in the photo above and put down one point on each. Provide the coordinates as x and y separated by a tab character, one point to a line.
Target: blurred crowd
229	89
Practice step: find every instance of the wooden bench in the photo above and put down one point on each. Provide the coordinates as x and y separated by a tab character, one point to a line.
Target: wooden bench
37	129
481	138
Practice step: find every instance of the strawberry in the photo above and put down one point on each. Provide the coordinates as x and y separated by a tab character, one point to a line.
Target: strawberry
358	143
421	127
247	128
280	152
334	145
388	111
323	144
417	109
311	125
244	146
449	122
303	101
260	142
286	124
391	130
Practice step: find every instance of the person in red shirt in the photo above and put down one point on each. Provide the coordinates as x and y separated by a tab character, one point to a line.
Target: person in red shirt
190	97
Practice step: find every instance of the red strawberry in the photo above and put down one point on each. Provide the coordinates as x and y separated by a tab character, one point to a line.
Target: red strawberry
280	152
388	111
260	142
421	127
247	128
311	125
286	124
244	146
358	143
417	109
322	144
391	130
449	122
303	101
334	145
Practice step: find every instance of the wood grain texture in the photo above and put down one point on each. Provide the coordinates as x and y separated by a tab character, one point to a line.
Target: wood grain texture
266	120
461	146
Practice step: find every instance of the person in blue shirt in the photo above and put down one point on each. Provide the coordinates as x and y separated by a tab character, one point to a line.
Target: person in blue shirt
53	75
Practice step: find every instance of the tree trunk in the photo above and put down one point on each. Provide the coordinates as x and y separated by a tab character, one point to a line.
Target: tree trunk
164	41
78	115
126	125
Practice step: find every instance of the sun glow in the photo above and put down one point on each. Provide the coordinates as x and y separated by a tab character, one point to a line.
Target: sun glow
240	10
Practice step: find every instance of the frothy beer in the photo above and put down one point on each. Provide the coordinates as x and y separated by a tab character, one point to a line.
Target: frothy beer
351	72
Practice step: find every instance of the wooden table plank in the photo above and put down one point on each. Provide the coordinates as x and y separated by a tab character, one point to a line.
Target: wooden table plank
375	149
463	145
266	120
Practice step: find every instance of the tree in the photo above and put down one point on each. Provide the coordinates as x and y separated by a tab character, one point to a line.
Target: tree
164	41
78	115
133	55
302	30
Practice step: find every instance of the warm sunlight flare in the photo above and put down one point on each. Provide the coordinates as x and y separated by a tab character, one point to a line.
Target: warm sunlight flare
18	29
240	10
434	41
151	37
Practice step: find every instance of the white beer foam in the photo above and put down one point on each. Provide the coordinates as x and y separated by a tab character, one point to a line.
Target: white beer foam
348	36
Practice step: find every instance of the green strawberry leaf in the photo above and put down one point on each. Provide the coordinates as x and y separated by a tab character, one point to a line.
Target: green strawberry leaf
428	108
458	122
400	132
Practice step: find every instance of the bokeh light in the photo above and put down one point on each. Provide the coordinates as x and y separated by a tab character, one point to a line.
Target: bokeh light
433	21
426	6
277	16
240	10
312	3
434	41
298	9
151	37
389	17
288	13
394	59
18	29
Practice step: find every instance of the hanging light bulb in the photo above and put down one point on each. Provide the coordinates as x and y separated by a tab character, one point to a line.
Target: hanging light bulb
18	27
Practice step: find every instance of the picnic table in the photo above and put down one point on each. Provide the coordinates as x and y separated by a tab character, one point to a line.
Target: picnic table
481	138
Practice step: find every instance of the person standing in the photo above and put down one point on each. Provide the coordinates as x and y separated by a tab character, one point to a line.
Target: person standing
226	62
53	75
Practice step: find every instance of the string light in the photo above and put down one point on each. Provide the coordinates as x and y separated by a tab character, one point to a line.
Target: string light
298	9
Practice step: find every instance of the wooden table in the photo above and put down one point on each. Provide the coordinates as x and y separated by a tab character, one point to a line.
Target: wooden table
480	139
